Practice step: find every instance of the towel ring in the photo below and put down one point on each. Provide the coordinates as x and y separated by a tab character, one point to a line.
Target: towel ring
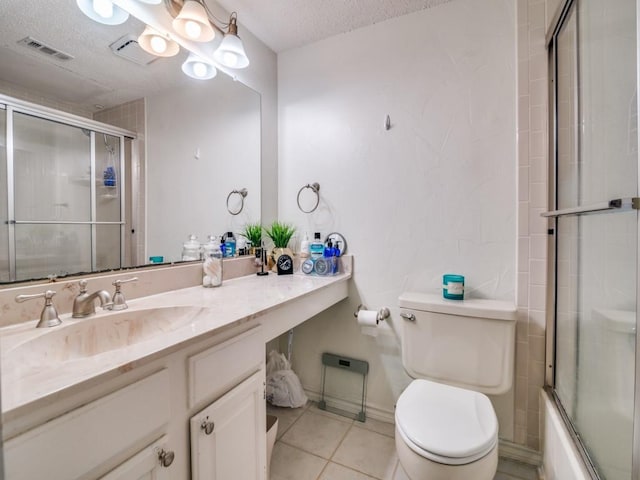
243	193
315	187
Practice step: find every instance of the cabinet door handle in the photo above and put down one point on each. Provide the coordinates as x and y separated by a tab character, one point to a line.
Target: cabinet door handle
207	426
408	316
166	457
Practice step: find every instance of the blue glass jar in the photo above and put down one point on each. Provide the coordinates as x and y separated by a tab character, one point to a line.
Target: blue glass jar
453	286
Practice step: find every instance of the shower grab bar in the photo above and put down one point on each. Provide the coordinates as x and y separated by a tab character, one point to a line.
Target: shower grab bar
59	222
622	204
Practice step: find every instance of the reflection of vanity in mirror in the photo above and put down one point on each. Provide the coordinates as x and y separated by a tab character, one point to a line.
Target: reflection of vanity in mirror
86	196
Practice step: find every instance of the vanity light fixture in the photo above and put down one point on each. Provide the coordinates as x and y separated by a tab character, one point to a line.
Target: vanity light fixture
155	43
193	22
103	11
197	68
231	52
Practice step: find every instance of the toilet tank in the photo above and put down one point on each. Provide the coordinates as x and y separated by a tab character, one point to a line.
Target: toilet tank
466	343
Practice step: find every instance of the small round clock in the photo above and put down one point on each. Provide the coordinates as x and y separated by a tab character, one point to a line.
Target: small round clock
284	265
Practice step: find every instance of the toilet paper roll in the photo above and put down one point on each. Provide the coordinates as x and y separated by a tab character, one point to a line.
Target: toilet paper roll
368	318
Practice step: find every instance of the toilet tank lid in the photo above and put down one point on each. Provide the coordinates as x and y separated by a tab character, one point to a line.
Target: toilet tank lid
472	307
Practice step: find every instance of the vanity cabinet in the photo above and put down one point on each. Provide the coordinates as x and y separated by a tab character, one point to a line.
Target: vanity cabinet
105	413
74	444
146	465
121	434
228	436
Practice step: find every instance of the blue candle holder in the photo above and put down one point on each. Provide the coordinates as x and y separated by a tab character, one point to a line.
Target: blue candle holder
453	287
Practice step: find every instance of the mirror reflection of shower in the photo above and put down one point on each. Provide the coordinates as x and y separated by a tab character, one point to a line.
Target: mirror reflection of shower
65	202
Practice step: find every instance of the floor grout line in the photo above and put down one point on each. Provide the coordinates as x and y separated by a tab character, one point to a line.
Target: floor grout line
340	442
515	475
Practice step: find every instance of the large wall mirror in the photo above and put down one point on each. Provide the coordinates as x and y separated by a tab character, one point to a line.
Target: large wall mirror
196	143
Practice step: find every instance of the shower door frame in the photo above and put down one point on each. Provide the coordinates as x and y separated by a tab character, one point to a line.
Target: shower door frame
564	10
12	105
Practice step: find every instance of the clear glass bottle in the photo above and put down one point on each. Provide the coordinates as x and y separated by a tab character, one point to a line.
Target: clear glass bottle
213	244
191	249
212	268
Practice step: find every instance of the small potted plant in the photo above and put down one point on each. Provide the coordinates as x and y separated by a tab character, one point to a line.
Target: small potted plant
280	234
253	233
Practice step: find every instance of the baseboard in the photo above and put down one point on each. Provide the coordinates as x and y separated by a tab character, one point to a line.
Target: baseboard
372	411
520	453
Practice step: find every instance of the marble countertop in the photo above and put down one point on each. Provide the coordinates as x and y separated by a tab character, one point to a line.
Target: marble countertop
38	363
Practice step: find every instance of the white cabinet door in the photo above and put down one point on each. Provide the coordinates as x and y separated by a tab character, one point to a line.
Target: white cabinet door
228	438
73	445
145	465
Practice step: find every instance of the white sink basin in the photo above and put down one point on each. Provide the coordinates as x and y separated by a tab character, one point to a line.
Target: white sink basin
104	332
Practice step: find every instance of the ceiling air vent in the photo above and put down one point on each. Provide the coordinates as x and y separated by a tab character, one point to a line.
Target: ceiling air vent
127	47
43	48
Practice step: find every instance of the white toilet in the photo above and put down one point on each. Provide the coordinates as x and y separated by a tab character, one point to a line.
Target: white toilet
458	350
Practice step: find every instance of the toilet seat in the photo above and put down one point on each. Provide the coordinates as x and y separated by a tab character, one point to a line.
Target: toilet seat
448	425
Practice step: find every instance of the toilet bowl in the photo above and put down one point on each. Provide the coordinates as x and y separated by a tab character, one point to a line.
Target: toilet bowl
457	351
446	433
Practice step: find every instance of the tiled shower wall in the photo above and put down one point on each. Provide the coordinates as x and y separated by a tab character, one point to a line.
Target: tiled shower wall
131	116
534	18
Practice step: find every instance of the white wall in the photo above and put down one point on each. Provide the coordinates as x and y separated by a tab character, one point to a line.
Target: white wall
220	122
435	194
261	76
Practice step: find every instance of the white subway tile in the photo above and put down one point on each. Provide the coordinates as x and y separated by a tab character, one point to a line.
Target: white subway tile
523	184
523	147
523	254
523	290
538	272
537	297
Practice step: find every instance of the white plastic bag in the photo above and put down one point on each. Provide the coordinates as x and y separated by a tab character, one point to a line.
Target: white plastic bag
277	361
283	385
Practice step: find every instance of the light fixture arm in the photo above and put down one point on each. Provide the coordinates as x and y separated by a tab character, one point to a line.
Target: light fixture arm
233	26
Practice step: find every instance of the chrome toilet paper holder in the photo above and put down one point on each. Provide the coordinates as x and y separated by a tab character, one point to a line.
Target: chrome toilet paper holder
383	313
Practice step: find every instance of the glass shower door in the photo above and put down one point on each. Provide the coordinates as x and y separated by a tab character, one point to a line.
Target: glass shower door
596	172
109	214
4	208
52	197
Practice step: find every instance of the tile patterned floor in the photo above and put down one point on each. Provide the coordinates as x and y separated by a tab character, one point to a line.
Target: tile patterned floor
316	445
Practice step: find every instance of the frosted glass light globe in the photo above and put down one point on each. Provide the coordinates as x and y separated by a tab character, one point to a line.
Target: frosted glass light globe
230	59
193	29
158	44
104	8
199	69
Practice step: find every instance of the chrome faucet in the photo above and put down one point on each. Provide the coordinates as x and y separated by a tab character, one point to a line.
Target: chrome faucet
84	304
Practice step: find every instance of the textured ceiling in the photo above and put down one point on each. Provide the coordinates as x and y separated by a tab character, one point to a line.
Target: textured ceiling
286	24
97	76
